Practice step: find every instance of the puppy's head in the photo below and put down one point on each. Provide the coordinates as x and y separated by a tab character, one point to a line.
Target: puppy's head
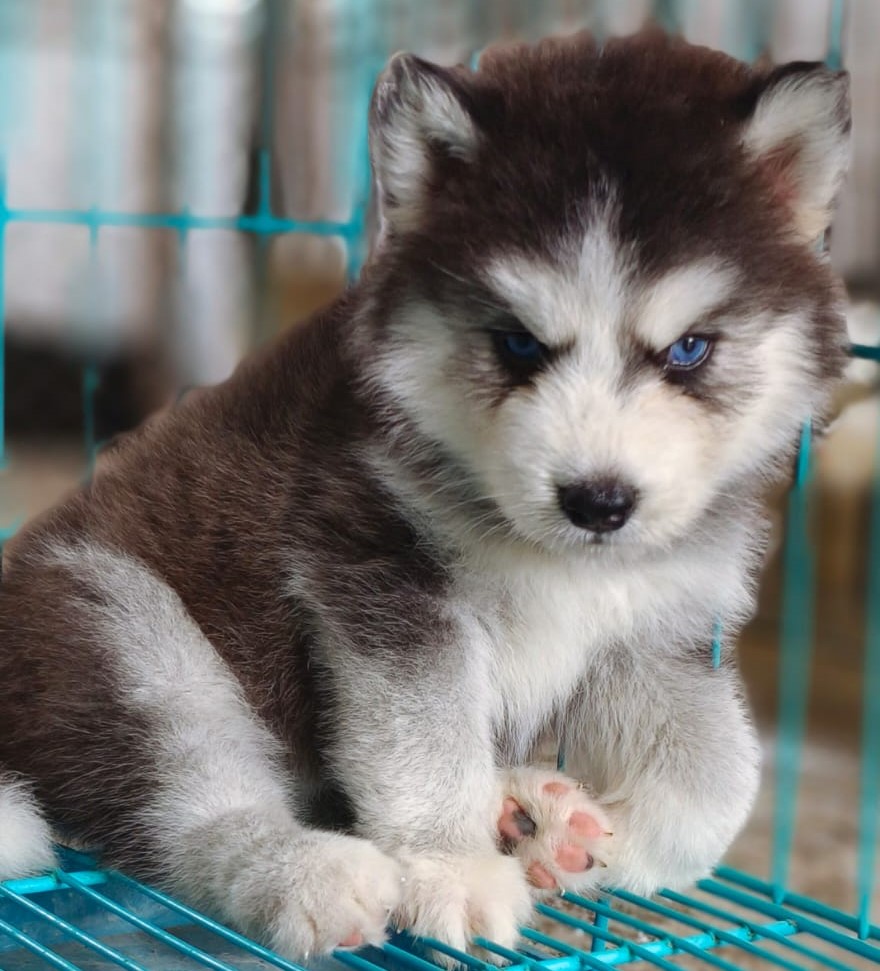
598	285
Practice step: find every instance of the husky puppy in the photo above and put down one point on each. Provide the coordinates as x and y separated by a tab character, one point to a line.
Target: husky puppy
289	652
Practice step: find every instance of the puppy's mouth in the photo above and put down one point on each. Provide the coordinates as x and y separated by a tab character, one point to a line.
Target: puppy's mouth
595	542
633	540
565	536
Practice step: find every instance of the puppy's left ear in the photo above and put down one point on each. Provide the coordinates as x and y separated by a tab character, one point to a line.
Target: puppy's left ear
799	134
419	117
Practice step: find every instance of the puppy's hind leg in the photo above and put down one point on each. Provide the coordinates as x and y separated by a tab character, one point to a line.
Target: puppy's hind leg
215	823
25	838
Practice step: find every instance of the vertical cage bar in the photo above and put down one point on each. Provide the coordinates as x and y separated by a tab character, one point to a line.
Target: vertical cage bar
363	62
795	662
91	378
181	380
869	794
749	27
98	38
717	642
600	923
273	25
3	224
667	13
837	16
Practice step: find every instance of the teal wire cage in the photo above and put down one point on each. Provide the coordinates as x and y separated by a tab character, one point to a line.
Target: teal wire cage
83	917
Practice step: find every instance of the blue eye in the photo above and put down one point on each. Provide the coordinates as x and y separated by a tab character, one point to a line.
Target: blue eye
520	352
688	352
522	345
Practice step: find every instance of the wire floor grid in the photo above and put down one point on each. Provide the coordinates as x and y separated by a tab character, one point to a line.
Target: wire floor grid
80	918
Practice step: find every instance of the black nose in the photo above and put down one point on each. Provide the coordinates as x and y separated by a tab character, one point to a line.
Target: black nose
602	505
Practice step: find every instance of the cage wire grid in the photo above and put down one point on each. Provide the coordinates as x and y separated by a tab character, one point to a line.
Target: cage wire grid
82	917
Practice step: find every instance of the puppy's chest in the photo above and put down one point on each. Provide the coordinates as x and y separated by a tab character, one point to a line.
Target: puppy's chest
539	652
546	629
542	638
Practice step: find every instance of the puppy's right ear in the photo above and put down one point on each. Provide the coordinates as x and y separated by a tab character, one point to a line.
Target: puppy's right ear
419	116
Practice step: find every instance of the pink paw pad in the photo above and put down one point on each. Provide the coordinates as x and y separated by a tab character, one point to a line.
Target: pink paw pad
541	877
555	828
585	825
573	858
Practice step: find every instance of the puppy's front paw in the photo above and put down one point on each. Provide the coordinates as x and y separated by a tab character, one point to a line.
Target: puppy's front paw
322	891
456	898
551	825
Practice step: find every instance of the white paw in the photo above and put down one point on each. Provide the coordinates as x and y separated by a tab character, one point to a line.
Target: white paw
561	837
324	891
456	898
25	837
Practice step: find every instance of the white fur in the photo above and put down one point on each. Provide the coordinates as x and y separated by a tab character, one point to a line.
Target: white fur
582	427
803	112
677	303
787	400
222	813
551	618
583	295
566	616
675	768
590	421
25	837
416	754
455	898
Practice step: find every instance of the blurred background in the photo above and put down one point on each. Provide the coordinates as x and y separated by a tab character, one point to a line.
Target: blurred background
180	178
